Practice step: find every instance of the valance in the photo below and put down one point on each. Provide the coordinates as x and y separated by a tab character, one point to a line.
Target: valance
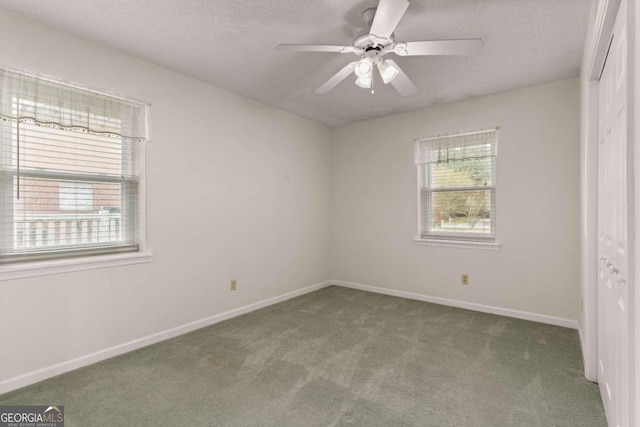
446	148
26	98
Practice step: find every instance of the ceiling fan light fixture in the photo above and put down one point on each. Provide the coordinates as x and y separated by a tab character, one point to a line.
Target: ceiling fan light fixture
388	71
382	22
364	67
364	82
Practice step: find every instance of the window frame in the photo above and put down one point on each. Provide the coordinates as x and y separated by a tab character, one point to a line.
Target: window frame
89	261
464	240
77	259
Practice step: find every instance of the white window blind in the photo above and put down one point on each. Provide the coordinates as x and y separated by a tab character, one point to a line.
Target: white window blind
69	164
76	196
457	183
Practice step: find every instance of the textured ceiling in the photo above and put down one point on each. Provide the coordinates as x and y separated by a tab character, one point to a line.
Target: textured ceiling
229	43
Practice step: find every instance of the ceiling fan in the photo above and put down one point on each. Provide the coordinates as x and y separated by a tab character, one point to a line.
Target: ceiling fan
378	42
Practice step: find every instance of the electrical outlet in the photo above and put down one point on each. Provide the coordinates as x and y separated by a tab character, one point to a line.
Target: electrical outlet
465	279
234	285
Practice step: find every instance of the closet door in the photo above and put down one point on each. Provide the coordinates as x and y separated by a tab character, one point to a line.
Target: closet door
613	197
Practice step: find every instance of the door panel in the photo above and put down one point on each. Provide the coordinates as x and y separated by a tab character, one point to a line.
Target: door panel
613	317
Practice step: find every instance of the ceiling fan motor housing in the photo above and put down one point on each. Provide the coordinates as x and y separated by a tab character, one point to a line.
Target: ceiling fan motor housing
366	41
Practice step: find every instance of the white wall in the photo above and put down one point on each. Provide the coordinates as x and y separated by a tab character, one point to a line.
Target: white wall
374	203
236	189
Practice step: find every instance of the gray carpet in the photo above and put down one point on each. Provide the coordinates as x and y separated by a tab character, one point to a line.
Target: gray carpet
338	357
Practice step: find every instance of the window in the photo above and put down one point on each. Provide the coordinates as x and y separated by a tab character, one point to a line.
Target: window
69	159
457	185
76	196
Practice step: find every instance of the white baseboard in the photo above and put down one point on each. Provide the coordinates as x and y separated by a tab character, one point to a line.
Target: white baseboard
79	362
525	315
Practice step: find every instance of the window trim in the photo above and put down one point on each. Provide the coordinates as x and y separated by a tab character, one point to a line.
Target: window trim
493	245
456	240
90	258
66	265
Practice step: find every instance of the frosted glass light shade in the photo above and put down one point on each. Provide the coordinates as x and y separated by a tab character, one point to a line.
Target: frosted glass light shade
364	67
388	71
364	82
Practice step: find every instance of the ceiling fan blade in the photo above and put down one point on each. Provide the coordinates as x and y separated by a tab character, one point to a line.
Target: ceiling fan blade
315	48
387	17
439	47
335	80
402	83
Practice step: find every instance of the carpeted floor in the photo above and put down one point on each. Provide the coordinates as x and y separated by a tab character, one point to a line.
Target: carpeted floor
338	357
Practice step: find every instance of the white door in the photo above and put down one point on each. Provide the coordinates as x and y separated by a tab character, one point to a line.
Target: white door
613	313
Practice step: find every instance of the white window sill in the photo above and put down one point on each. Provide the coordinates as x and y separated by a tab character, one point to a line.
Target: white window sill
43	268
459	244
